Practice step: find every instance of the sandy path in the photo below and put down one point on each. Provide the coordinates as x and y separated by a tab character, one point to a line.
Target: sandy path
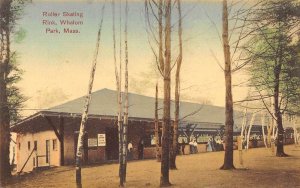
261	169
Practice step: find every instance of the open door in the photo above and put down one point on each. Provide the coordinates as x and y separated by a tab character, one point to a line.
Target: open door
112	143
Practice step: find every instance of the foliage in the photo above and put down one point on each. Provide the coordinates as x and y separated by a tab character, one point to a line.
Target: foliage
275	49
15	98
274	57
14	74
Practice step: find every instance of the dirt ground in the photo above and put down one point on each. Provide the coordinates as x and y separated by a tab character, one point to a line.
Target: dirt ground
260	169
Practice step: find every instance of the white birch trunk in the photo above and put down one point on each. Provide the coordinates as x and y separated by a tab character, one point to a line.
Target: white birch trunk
244	123
118	86
125	124
84	117
250	127
263	129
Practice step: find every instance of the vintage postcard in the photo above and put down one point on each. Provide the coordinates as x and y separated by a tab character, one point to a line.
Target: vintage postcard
150	93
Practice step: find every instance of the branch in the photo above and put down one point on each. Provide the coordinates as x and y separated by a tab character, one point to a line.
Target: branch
191	114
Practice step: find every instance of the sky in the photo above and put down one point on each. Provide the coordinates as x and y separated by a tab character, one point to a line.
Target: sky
57	66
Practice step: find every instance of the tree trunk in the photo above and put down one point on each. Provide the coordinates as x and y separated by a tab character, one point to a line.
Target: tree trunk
125	124
177	93
80	144
244	123
5	171
270	128
274	124
156	124
120	102
295	131
280	130
160	32
278	114
249	130
120	128
119	95
84	117
228	158
164	179
280	137
263	129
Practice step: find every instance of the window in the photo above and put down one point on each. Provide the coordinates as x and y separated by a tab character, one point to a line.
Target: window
19	146
54	144
153	140
35	145
28	145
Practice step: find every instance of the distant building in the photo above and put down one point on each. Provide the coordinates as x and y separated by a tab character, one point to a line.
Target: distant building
49	137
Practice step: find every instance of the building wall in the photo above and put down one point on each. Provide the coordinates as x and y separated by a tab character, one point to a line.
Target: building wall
69	148
98	154
136	132
23	150
93	128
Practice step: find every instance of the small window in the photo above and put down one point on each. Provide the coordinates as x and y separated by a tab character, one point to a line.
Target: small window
153	140
54	145
33	161
28	145
19	146
35	145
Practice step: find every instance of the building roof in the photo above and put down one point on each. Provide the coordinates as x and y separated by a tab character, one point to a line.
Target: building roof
141	108
104	104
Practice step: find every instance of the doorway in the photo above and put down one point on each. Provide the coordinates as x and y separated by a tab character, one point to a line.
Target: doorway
48	152
112	143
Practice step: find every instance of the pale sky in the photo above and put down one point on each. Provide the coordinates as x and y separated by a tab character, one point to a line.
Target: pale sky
59	64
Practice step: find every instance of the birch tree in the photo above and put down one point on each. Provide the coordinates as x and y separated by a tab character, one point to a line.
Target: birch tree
122	120
125	124
263	129
84	117
118	87
244	124
250	127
